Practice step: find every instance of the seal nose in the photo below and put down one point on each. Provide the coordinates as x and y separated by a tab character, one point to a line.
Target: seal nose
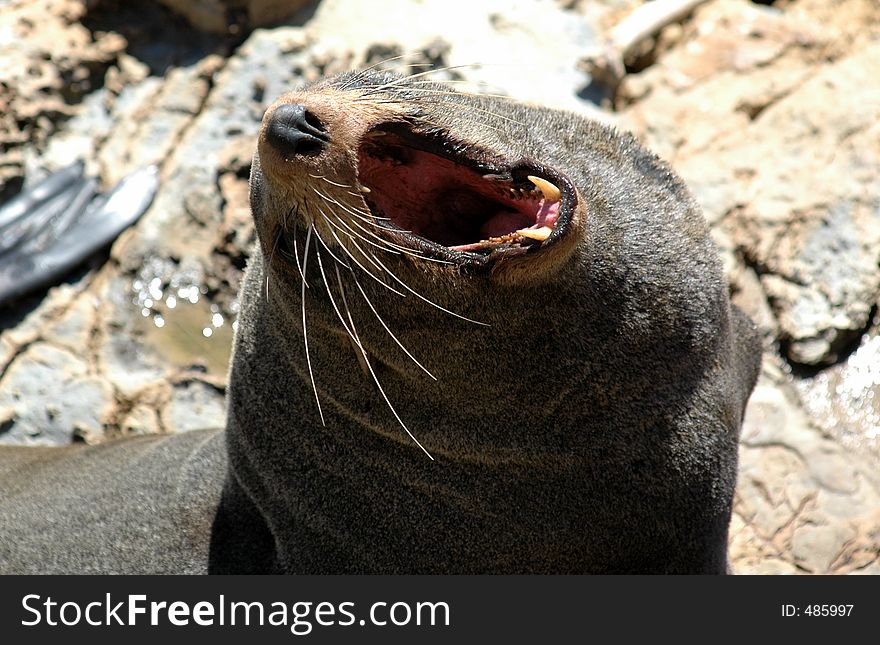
293	130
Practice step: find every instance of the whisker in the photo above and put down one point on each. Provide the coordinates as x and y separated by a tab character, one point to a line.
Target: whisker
373	373
421	297
329	181
397	248
353	210
383	246
390	333
355	260
384	86
302	274
333	255
359	74
333	301
356	213
375	217
305	332
350	232
472	108
401	249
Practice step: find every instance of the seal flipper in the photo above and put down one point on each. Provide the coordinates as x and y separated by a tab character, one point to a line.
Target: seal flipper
15	235
79	232
22	204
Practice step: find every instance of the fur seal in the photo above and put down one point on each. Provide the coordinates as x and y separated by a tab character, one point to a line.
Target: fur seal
475	337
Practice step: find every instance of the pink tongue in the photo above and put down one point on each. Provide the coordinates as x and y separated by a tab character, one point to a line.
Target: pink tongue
547	214
504	223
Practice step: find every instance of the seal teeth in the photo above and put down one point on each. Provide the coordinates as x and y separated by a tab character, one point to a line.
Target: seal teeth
550	191
539	234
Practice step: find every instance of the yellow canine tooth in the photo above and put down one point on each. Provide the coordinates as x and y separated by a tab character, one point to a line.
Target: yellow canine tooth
364	190
551	193
539	234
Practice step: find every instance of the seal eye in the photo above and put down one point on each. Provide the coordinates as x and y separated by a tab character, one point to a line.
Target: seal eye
293	130
453	203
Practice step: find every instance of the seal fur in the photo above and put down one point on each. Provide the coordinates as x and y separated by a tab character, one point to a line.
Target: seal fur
590	424
586	422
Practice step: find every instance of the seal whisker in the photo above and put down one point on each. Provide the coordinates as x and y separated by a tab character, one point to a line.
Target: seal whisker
421	297
299	267
465	108
350	232
373	372
375	217
365	216
390	333
323	178
404	79
474	118
361	214
354	339
333	255
427	83
360	74
339	315
305	332
400	249
396	248
355	260
385	244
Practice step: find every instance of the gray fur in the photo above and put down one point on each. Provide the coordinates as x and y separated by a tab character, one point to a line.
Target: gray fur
592	427
141	505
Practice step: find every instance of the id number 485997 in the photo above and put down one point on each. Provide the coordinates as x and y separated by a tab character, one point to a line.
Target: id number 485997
817	610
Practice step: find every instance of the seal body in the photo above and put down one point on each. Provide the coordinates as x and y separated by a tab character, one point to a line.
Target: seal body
475	337
135	506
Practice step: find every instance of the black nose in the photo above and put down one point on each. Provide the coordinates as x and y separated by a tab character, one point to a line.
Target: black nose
293	130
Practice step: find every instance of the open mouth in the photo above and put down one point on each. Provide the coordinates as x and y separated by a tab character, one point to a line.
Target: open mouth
427	187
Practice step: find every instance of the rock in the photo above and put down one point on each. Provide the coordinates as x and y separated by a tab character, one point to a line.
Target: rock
818	250
522	58
227	16
49	62
142	419
194	406
766	124
802	499
844	400
735	59
49	397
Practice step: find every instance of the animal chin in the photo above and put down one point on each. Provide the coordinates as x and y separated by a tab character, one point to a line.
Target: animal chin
457	202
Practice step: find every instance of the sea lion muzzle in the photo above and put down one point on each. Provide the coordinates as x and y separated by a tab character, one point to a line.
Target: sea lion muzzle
397	176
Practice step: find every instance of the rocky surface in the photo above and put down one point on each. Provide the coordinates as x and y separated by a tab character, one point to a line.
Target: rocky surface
225	16
769	112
